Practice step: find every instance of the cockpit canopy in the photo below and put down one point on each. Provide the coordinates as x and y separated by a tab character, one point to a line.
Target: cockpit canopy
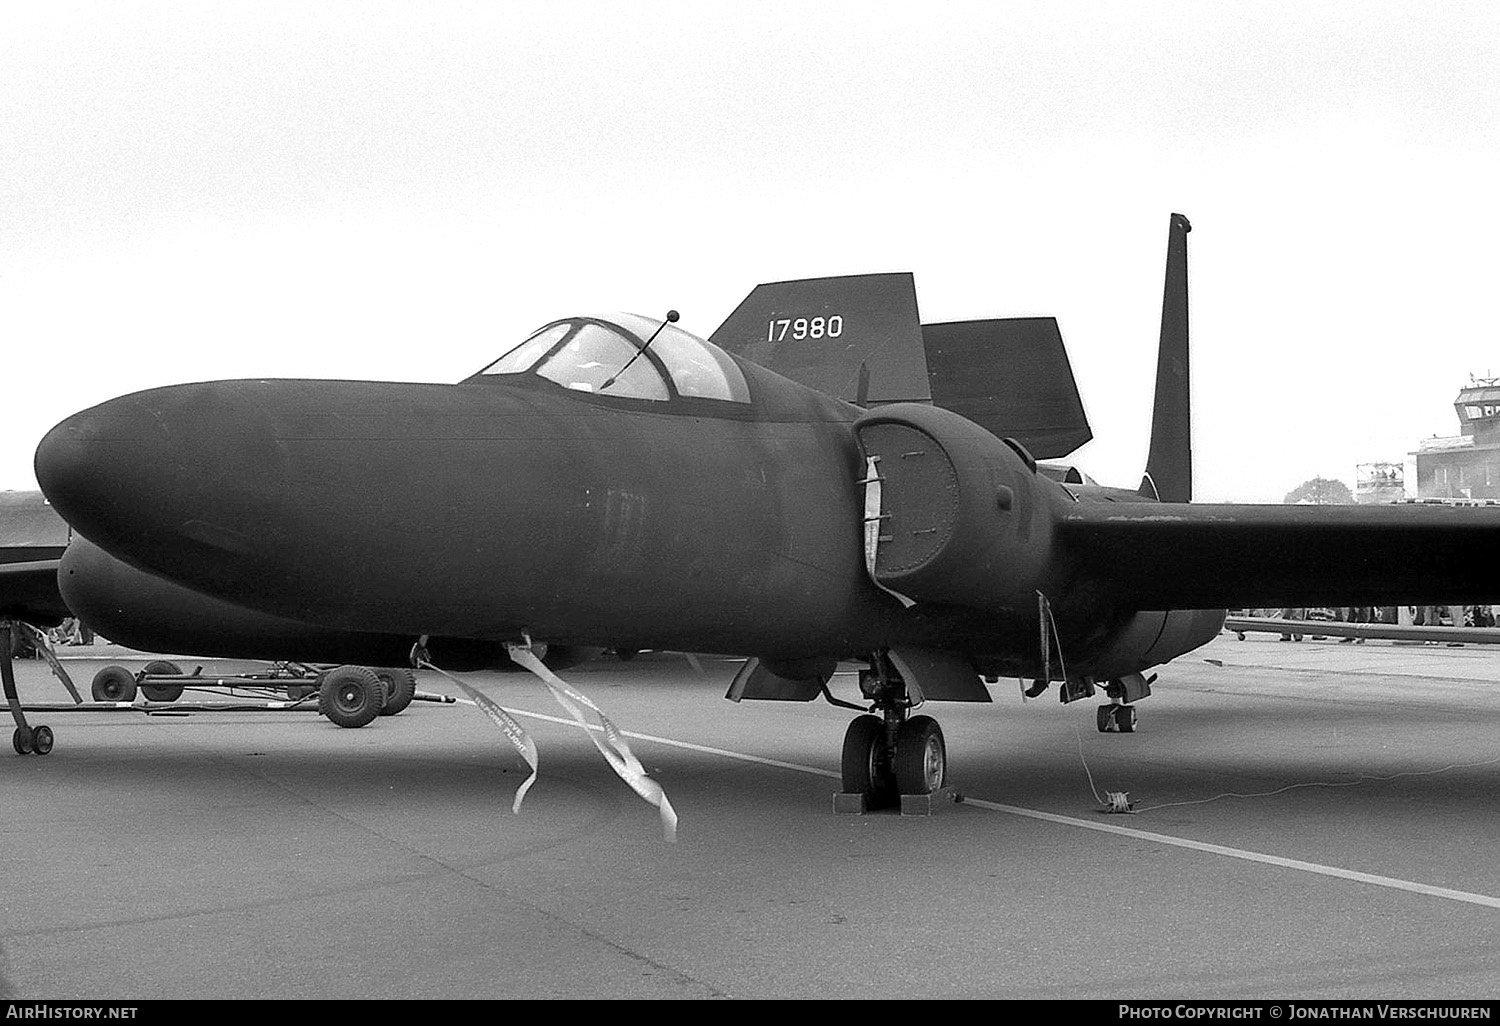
609	356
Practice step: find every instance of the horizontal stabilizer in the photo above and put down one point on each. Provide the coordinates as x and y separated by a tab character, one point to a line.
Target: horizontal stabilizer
1012	378
821	331
1182	556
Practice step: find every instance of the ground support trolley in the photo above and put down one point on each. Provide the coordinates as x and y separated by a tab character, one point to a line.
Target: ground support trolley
350	696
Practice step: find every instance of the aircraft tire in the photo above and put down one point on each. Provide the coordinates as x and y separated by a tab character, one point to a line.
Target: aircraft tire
41	739
1105	719
21	741
351	696
400	686
863	763
1125	719
921	756
113	684
162	692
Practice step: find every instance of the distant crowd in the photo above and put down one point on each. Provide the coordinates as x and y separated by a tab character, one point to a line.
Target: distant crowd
1418	616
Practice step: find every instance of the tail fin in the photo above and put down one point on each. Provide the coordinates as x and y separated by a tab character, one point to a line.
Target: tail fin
1169	465
856	337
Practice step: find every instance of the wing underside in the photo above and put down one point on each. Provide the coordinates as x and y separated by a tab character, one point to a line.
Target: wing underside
1181	556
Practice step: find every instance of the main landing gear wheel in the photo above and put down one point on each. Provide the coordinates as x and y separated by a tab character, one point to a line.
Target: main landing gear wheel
1116	719
113	684
351	696
400	687
865	766
921	756
162	692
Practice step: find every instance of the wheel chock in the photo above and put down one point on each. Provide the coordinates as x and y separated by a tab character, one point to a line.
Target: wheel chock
854	804
847	803
927	804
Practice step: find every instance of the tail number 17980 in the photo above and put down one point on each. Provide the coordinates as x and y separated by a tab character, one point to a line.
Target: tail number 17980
804	327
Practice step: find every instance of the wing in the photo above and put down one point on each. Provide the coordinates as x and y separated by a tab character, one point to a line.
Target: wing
28	591
1182	556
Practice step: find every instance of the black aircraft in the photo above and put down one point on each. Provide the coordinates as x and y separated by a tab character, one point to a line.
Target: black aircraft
618	481
32	540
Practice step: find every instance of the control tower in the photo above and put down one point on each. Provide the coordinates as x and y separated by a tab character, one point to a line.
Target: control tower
1465	465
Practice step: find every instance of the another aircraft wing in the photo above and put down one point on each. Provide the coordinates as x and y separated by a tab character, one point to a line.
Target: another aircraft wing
1378	631
1184	556
32	539
28	591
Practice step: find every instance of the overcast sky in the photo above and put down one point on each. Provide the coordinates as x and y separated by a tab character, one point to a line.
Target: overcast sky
402	190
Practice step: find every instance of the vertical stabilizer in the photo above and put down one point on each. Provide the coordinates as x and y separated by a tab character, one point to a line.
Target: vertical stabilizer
856	337
1169	466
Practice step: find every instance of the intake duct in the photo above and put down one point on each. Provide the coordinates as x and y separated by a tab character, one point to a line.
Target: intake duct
961	517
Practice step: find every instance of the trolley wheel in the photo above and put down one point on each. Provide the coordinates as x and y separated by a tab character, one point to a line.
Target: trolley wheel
41	739
21	741
400	686
921	756
865	768
162	692
351	696
113	684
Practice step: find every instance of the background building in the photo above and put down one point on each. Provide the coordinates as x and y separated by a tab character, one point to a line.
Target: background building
1466	465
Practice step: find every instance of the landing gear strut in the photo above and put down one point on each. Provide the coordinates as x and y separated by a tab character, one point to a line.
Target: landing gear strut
892	754
26	739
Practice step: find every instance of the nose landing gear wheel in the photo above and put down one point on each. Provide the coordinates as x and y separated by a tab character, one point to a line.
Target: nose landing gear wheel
21	741
1116	719
921	756
41	739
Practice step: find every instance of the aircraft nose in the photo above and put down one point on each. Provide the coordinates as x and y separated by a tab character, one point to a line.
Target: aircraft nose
149	473
91	456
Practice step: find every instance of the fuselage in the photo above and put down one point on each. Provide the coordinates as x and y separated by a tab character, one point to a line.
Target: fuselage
510	506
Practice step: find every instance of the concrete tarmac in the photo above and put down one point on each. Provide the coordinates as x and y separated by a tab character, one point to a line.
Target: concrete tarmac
276	855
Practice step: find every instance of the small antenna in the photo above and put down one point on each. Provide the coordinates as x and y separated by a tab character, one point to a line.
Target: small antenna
672	316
